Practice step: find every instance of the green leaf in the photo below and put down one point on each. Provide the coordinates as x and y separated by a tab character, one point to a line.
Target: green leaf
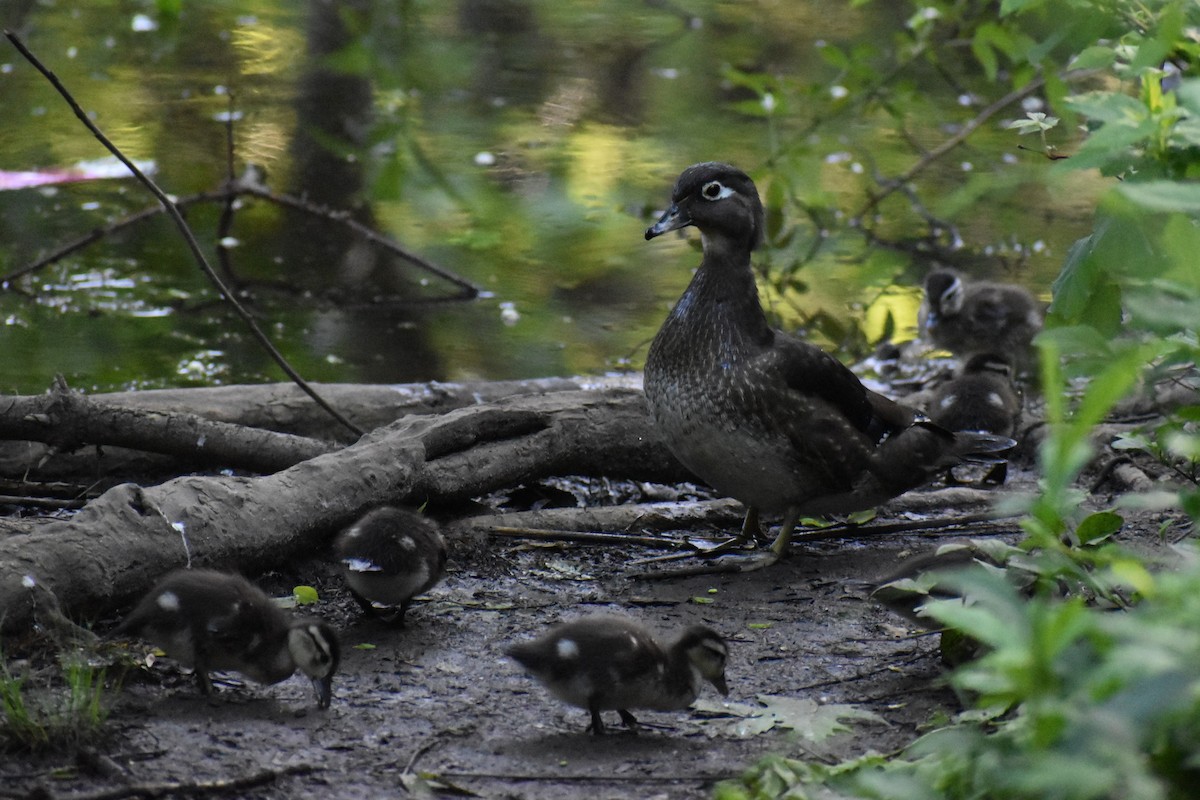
1164	195
861	517
1094	57
305	595
1084	290
1164	311
1111	149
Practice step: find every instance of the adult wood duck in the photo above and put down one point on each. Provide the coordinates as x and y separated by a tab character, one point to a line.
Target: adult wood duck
212	620
605	662
758	414
389	556
980	398
974	317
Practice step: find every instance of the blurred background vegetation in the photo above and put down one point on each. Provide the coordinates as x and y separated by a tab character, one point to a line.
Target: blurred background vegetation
523	145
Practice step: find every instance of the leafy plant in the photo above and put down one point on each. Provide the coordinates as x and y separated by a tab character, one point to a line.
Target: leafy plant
52	713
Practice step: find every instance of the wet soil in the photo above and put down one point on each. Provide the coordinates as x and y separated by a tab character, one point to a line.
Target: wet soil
436	706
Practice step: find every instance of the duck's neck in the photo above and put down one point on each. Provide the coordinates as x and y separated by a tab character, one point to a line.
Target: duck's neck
721	303
681	682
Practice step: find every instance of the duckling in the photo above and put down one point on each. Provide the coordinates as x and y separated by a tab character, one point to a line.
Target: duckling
758	414
389	556
605	662
211	620
979	317
980	398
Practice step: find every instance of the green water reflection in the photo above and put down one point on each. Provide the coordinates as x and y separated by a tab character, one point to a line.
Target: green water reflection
522	145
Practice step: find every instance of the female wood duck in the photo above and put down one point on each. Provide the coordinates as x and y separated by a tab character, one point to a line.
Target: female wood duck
980	398
212	620
604	662
979	317
758	414
389	556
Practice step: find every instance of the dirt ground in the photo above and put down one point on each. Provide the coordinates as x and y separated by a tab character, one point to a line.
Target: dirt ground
439	699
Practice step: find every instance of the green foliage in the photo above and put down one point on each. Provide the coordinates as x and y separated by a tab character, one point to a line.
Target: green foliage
1071	704
56	713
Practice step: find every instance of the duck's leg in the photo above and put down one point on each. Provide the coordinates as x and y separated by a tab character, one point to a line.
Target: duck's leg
203	682
629	719
780	545
395	616
597	726
751	527
364	603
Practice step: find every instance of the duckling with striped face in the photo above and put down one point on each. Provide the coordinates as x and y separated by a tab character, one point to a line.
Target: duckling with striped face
603	662
974	317
210	620
389	556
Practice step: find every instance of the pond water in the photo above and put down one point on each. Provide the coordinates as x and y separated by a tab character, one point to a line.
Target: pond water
522	146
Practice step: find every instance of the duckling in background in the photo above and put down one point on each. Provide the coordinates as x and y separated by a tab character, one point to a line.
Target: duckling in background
389	556
604	662
967	318
210	620
980	398
758	414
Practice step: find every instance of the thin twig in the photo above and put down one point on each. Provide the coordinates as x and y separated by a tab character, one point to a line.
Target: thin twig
556	777
184	230
469	290
954	141
586	537
420	751
724	562
933	526
39	502
106	230
231	786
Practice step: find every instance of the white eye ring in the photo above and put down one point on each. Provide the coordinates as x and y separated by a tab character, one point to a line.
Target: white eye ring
715	190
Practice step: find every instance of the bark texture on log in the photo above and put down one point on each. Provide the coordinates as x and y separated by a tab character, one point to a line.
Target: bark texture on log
124	540
67	420
284	408
140	435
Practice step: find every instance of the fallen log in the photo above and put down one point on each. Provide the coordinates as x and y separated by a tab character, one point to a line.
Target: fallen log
154	434
122	541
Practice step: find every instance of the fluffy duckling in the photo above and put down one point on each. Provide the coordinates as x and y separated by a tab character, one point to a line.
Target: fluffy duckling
980	398
210	620
606	662
979	316
389	556
758	414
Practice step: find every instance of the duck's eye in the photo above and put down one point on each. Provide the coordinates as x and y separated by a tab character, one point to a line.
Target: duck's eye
715	190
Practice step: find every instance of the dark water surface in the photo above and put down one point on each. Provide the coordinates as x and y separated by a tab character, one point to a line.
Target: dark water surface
522	146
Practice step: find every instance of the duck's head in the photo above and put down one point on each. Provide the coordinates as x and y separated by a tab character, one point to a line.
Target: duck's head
707	652
314	648
944	293
720	200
